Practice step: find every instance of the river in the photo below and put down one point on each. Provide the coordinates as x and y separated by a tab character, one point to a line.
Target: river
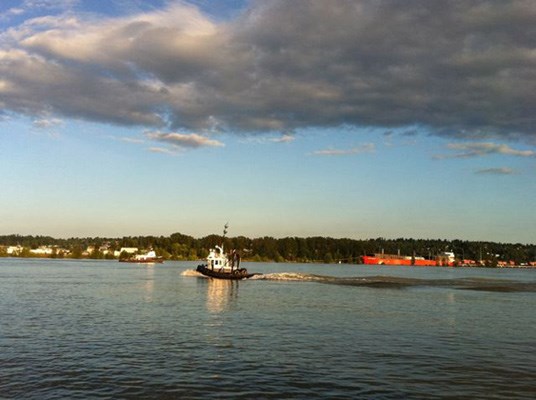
78	329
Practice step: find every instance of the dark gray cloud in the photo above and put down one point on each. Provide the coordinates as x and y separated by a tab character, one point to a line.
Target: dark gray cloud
460	68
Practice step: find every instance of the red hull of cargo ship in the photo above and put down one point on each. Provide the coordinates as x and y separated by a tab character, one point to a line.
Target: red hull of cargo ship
396	260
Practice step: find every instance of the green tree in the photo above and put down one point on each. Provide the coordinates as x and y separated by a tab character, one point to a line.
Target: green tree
76	251
96	254
25	252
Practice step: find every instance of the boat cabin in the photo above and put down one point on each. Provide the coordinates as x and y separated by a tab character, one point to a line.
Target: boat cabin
217	260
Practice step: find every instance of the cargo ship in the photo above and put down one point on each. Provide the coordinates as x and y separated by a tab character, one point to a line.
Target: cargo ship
444	259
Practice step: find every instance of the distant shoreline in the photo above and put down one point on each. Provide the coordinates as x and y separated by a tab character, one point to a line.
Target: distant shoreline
324	250
283	262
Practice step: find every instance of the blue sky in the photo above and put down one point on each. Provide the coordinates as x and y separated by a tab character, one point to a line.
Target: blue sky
355	120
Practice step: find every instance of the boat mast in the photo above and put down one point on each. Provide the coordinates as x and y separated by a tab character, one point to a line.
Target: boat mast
224	233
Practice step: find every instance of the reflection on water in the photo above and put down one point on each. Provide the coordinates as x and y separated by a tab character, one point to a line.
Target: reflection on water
451	311
149	283
221	294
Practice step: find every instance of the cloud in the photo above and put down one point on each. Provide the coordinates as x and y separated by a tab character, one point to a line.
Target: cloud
162	150
496	171
284	139
364	148
128	139
479	149
184	141
12	12
46	123
459	69
32	6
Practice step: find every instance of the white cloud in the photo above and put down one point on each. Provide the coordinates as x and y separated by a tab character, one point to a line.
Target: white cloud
46	123
181	140
33	6
162	150
127	139
479	149
364	148
284	139
13	11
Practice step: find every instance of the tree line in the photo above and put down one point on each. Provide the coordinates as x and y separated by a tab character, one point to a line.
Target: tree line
289	249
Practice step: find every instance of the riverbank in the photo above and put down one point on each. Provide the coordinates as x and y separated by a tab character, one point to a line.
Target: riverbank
257	260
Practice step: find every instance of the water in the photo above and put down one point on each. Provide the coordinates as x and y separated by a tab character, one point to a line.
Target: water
103	329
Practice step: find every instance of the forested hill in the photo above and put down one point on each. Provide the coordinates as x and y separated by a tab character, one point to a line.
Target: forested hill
294	249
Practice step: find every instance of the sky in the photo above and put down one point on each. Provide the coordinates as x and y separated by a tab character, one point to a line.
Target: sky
348	119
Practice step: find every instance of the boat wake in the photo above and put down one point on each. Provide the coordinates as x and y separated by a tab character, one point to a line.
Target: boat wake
288	276
393	282
373	281
192	272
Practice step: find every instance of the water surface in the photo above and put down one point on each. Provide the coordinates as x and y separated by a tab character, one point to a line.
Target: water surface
103	329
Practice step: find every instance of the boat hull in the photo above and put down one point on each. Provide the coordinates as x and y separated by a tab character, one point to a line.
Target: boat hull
146	261
237	274
371	260
406	261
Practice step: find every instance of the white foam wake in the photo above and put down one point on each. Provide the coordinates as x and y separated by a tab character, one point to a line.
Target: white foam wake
191	272
285	276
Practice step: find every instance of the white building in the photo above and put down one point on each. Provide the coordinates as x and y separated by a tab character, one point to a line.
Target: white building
14	250
42	251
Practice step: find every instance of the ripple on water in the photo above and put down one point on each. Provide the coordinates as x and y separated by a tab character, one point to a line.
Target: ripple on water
92	330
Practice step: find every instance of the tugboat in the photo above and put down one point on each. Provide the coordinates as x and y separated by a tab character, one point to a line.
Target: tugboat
222	266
